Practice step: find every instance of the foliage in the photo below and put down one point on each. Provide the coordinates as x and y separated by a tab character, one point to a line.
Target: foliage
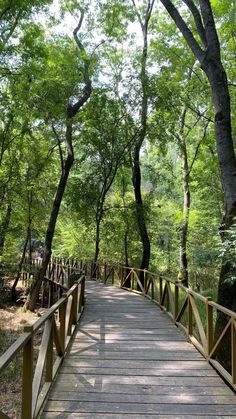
41	73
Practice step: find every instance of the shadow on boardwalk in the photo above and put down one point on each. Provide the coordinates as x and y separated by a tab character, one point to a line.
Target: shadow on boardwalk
128	360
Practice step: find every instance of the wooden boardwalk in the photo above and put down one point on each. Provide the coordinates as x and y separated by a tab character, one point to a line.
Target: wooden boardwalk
128	360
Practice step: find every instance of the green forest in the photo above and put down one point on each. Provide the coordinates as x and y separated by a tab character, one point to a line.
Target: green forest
117	135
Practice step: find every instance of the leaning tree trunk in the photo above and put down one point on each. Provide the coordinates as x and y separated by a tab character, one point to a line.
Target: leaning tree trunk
209	57
226	157
72	110
208	53
40	275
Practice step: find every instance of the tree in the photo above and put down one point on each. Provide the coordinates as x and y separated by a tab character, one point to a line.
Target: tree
207	51
136	170
72	110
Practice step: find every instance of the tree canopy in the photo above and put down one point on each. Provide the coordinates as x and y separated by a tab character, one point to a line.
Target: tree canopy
117	135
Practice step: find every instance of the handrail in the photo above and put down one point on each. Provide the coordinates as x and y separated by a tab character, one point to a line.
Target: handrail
58	325
192	312
56	280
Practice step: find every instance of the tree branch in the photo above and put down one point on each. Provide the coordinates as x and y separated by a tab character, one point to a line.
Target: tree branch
198	21
197	149
138	15
59	146
73	109
186	32
210	29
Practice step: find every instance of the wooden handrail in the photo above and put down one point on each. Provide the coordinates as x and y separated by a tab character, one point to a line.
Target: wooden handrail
180	303
183	306
58	325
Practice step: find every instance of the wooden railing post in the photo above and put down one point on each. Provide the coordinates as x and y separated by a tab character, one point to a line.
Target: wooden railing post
113	275
49	358
209	326
62	320
27	380
176	300
74	307
82	293
122	276
233	350
104	272
132	280
145	277
167	298
190	317
50	296
152	289
160	288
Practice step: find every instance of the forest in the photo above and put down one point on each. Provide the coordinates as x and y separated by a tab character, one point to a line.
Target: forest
117	135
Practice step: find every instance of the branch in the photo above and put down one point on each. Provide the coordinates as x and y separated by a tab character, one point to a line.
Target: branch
59	146
11	30
149	10
197	149
201	114
198	21
73	109
138	15
210	29
187	34
4	11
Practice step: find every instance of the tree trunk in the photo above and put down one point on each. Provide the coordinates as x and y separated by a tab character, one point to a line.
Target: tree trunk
140	211
127	283
13	289
97	244
37	281
4	228
72	110
126	242
210	61
136	170
226	157
183	235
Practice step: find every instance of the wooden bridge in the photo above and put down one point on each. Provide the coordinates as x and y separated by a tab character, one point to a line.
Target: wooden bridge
126	358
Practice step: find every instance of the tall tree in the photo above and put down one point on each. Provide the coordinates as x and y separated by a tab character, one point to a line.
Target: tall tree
136	169
206	48
72	110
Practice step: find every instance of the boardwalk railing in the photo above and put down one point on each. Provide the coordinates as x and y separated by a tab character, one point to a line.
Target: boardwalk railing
192	312
42	346
59	277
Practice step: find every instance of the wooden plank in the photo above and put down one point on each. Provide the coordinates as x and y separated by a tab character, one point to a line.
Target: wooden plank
116	338
50	415
85	387
138	371
131	364
136	379
129	361
135	354
100	407
144	334
140	398
105	346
